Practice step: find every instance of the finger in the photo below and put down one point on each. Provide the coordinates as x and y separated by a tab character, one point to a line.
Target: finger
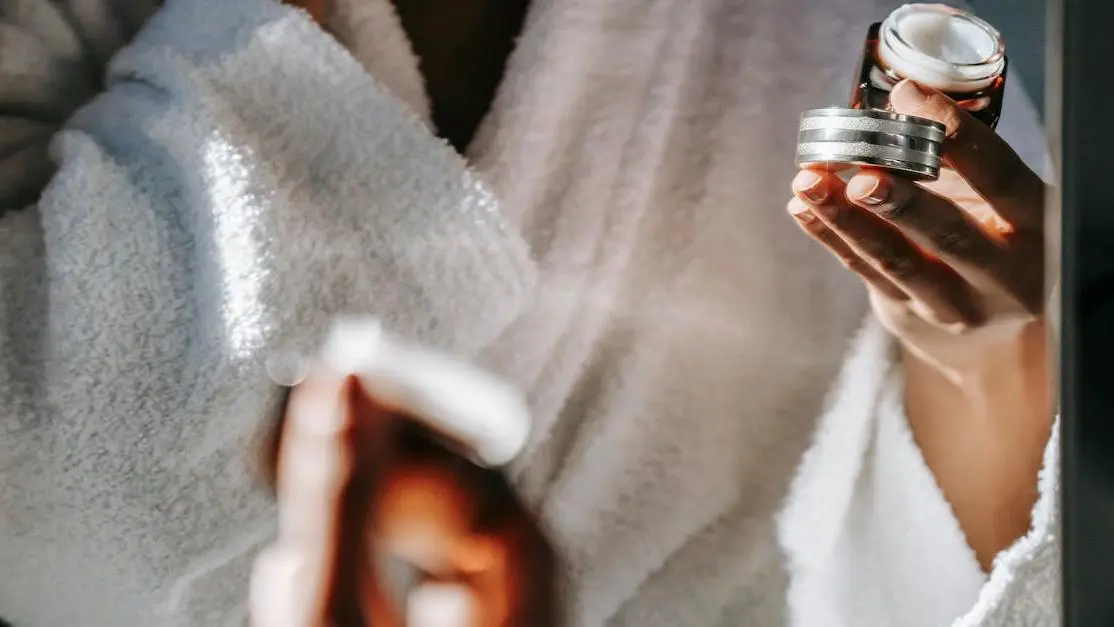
355	591
514	572
940	226
322	481
939	288
312	470
820	232
952	233
532	564
276	595
980	156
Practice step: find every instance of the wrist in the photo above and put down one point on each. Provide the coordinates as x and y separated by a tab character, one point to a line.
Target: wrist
998	378
1012	361
982	424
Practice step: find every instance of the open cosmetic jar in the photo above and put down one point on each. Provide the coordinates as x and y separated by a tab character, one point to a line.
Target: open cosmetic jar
933	44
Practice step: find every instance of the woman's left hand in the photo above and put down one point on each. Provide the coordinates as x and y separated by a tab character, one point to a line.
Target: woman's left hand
350	490
955	266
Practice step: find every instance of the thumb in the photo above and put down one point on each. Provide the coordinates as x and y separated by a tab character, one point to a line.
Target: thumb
909	98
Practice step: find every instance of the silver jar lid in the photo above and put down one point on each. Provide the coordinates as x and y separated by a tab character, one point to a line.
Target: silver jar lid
869	137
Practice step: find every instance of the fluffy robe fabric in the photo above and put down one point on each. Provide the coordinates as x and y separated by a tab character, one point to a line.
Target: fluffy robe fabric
615	245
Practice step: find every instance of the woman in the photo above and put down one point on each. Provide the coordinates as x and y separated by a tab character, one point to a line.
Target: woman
611	243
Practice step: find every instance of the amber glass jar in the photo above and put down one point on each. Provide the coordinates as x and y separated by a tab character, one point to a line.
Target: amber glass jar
937	46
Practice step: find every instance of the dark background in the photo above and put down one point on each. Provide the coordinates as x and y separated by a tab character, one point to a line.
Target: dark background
1076	110
1087	189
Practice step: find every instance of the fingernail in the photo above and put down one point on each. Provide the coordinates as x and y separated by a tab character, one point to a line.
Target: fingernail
869	190
352	345
800	211
908	95
287	367
811	186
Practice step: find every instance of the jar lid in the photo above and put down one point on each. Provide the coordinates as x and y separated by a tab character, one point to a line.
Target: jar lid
869	137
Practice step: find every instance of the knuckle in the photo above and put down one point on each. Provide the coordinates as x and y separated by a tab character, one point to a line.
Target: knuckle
958	320
956	243
936	106
897	265
856	265
838	217
813	226
948	113
960	327
896	211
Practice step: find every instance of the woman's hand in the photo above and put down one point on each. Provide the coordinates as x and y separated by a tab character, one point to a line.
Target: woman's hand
956	272
356	482
955	267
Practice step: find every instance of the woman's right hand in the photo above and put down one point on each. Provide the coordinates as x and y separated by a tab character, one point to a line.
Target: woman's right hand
350	488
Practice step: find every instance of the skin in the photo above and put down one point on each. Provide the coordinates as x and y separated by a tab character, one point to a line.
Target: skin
955	270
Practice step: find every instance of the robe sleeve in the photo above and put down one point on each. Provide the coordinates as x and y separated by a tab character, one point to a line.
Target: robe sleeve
52	61
228	183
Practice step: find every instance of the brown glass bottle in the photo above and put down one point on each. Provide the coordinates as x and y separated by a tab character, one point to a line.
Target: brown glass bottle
937	46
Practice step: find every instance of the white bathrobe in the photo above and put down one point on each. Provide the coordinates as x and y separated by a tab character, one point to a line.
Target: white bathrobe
719	438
